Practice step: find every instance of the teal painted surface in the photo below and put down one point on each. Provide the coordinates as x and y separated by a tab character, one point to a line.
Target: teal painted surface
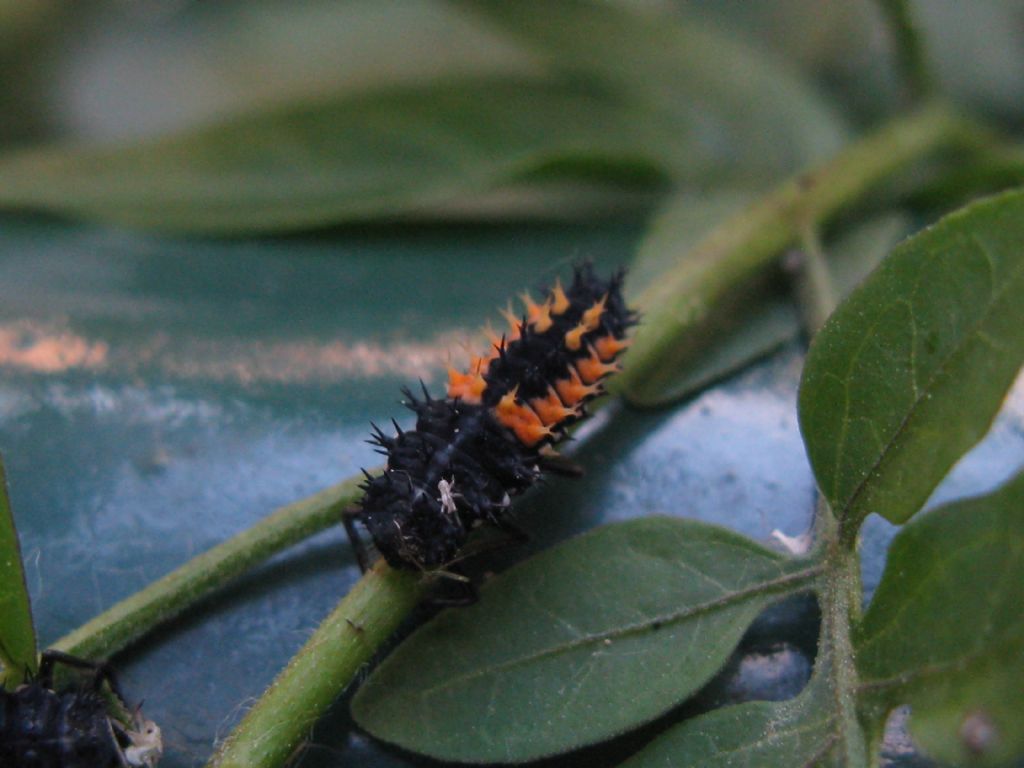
157	396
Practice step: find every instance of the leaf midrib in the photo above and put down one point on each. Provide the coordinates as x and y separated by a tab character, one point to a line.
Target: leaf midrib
662	620
996	297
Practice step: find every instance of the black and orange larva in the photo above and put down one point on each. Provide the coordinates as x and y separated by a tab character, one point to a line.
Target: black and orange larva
491	437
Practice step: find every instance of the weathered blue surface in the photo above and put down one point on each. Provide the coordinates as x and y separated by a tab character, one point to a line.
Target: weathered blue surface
158	396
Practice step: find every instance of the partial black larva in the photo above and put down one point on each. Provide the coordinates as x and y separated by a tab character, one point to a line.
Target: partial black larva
71	728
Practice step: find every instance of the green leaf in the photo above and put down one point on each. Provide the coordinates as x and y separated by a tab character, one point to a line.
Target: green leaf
909	372
587	640
945	631
755	114
396	151
797	732
17	633
818	727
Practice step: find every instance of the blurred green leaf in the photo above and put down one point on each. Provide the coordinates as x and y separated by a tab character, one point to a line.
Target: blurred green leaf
741	335
945	631
17	632
909	372
747	113
764	318
679	224
693	105
800	731
387	153
187	64
587	640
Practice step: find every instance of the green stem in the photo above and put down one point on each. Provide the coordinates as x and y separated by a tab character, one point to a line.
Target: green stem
910	51
840	607
347	639
166	598
991	167
678	309
815	291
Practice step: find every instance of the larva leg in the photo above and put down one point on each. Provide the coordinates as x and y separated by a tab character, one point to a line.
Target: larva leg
348	519
102	671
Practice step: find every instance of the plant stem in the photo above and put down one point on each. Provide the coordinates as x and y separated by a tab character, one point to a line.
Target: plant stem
910	51
815	292
992	166
164	599
347	639
840	607
678	310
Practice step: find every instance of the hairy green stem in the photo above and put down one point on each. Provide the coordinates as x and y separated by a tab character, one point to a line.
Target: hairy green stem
347	639
840	607
164	599
679	310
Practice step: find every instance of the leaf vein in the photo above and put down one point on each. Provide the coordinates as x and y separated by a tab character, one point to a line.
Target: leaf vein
765	587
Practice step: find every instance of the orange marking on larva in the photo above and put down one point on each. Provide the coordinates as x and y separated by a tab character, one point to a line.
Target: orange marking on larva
521	419
508	402
591	368
492	335
574	337
559	301
467	386
532	307
592	316
550	409
608	347
513	323
590	321
542	321
573	390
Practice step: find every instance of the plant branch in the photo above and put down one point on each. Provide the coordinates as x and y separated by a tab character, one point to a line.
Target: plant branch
678	308
165	598
812	282
911	57
840	607
347	639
